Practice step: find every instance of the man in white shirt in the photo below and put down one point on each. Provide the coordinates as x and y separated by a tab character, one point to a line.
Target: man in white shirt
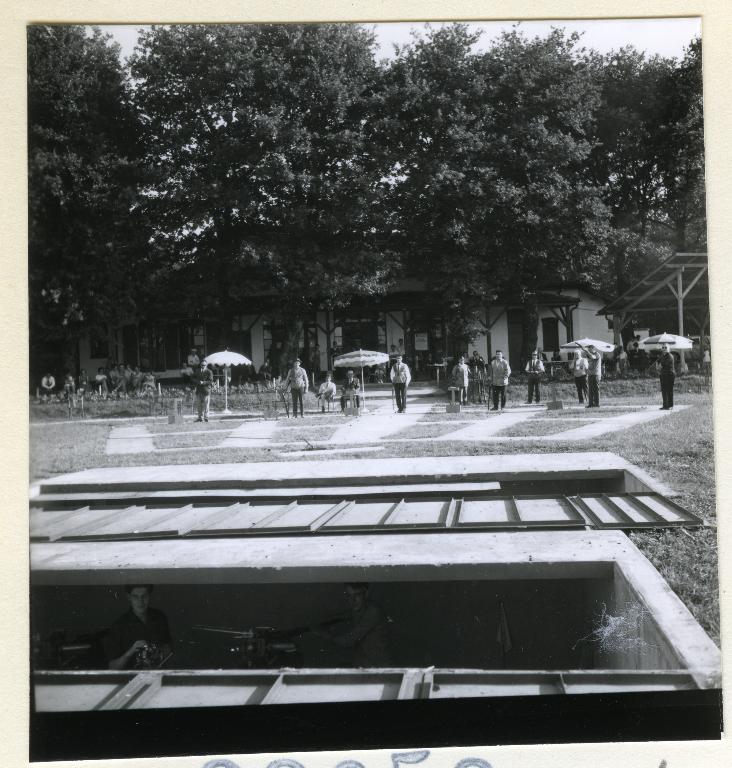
400	378
297	381
500	371
326	392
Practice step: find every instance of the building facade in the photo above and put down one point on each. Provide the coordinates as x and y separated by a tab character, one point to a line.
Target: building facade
406	321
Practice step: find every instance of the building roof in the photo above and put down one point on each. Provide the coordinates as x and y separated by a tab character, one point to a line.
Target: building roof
657	291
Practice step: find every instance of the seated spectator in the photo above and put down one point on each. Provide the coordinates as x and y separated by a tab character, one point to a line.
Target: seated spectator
83	382
265	373
326	392
48	386
147	385
101	382
120	388
350	389
135	379
69	386
186	372
113	377
193	359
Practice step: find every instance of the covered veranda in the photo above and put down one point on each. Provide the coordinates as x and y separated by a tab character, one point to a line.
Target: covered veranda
678	286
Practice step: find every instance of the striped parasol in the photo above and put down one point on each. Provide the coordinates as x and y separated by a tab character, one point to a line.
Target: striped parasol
677	342
360	358
226	359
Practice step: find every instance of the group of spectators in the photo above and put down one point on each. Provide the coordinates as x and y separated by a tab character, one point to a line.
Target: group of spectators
473	375
119	380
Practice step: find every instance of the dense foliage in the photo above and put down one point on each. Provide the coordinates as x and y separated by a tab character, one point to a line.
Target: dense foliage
231	161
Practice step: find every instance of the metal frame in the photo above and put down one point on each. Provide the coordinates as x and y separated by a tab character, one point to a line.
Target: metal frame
688	519
275	509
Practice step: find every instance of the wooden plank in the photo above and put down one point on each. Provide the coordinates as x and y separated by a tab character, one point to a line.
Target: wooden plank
453	513
276	692
329	515
276	514
422	513
137	525
123	698
44	529
411	685
203	517
155	683
90	525
684	517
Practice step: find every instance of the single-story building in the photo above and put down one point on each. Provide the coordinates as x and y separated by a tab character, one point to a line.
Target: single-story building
404	320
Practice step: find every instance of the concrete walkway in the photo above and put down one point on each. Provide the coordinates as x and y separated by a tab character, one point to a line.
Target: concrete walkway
613	424
251	434
379	423
492	424
129	440
382	424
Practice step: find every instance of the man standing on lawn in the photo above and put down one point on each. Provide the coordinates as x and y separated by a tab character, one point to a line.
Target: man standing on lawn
500	371
534	368
594	375
297	380
203	378
668	375
400	378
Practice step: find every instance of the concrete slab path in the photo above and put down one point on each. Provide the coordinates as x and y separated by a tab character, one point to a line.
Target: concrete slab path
251	434
379	423
492	424
612	424
129	440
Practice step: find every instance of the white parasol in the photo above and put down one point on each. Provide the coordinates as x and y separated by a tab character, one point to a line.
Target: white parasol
677	342
226	359
600	346
360	358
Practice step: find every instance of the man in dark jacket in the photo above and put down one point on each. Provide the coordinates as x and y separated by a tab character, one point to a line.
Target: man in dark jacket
668	375
203	378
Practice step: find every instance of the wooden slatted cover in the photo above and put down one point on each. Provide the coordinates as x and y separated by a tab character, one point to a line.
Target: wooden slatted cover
633	510
374	514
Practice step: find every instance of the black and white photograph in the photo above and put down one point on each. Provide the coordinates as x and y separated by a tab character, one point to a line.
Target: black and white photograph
370	387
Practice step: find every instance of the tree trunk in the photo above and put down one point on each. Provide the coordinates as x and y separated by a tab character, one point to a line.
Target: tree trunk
531	329
291	346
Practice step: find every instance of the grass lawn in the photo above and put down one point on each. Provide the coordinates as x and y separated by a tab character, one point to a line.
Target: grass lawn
300	434
425	429
677	449
536	428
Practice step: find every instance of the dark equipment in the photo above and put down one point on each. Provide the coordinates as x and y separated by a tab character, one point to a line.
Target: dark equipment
263	647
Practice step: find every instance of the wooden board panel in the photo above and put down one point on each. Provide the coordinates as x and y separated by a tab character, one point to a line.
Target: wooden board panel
135	521
299	517
240	518
360	514
601	511
420	512
193	691
59	692
346	686
481	511
544	510
633	511
458	685
663	507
